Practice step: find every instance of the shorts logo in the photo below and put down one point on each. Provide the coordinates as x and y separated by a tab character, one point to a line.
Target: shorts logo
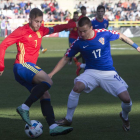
102	40
37	67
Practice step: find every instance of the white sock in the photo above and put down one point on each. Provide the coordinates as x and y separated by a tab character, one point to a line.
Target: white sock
53	126
42	49
25	107
72	104
126	108
82	65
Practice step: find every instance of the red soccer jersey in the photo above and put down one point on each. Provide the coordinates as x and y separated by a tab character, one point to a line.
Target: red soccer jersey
80	17
74	31
28	42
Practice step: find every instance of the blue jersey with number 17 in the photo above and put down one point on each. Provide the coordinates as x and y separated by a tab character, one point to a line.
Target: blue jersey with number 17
96	51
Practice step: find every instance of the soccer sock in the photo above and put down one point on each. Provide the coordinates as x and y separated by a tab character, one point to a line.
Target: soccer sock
82	66
72	104
47	111
126	108
37	92
41	47
25	107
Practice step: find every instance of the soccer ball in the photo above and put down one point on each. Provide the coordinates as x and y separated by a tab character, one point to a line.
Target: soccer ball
35	130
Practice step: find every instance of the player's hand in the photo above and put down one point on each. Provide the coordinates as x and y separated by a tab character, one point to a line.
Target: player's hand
138	49
1	72
50	75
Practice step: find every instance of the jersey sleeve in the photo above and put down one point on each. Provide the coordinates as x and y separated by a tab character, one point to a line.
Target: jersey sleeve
113	35
7	42
58	28
73	50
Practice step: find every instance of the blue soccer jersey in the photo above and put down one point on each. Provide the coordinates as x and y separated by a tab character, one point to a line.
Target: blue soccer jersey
96	51
99	24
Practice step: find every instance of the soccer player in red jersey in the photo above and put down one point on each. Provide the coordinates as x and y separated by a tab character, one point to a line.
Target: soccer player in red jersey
73	32
28	40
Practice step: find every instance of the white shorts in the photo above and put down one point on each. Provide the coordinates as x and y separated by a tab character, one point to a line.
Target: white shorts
110	81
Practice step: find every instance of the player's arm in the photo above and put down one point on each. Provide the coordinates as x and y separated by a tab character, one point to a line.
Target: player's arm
59	28
129	41
59	66
8	41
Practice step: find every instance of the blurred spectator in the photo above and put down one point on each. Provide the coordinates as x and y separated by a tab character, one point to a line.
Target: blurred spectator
22	4
55	3
111	17
7	5
1	5
3	26
28	5
27	11
12	5
51	4
118	15
133	5
8	26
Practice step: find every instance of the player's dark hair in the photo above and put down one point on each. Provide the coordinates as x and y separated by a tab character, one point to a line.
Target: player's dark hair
84	21
75	13
83	8
100	7
35	12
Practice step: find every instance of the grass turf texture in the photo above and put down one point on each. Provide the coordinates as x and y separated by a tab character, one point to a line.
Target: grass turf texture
97	115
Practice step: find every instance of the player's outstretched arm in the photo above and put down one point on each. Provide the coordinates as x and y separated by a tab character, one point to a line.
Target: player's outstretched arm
59	66
129	41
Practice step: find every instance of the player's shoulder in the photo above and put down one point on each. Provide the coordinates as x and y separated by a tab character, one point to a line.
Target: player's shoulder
106	31
105	20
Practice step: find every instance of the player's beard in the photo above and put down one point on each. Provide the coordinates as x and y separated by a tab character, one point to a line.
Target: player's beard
34	28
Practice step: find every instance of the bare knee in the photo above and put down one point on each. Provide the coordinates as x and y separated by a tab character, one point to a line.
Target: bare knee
125	97
78	87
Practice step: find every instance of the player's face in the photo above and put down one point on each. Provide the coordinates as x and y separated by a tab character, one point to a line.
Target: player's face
75	17
84	12
35	23
100	13
85	32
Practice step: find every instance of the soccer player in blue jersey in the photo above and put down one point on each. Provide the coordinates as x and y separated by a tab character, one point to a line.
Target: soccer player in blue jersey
97	23
99	71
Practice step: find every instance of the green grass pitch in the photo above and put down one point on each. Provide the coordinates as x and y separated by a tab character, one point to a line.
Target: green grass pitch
97	115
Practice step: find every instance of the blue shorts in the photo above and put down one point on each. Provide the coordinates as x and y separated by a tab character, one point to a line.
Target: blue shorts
71	40
24	74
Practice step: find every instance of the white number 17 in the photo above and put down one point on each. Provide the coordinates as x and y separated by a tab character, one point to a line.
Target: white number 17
97	52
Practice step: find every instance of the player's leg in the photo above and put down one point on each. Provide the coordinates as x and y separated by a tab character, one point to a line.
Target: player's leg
85	82
126	108
24	74
72	104
48	113
115	85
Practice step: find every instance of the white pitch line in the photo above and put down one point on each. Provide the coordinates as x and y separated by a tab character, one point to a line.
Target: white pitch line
112	48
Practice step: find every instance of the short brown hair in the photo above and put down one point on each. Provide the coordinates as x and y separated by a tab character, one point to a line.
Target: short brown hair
35	12
84	21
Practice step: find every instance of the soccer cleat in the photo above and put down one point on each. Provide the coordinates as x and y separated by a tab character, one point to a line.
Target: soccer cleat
60	130
44	50
64	122
24	115
126	124
78	68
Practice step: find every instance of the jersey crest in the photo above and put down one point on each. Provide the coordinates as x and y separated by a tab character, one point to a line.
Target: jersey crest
38	34
102	40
